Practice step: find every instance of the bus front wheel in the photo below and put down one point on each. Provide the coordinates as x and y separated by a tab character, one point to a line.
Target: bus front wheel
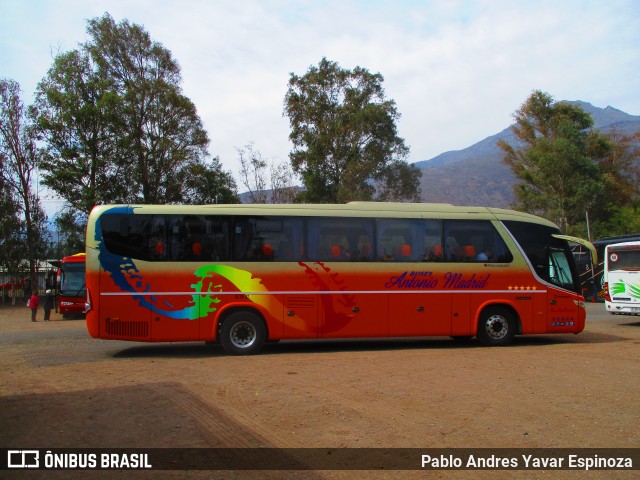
242	333
497	327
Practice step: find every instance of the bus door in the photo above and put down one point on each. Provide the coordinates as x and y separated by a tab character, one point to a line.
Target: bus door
540	311
563	311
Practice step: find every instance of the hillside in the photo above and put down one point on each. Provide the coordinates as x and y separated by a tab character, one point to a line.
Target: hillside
476	175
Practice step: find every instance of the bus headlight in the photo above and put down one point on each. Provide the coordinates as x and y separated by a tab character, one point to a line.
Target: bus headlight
579	303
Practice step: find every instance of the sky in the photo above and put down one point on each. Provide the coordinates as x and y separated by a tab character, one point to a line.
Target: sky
457	70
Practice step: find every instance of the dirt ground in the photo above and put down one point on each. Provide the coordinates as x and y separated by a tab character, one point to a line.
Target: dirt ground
61	388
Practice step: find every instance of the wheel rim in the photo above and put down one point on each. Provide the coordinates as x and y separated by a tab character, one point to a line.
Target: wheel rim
496	327
243	334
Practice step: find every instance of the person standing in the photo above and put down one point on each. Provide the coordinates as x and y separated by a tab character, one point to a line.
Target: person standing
48	305
33	305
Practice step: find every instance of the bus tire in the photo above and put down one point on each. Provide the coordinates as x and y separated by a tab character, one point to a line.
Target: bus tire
496	327
242	333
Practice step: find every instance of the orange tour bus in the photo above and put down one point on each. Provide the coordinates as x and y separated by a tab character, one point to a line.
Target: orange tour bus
242	275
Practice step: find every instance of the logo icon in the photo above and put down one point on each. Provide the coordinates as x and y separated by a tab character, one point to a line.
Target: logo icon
23	459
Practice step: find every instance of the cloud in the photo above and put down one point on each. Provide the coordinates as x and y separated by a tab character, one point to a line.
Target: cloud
457	70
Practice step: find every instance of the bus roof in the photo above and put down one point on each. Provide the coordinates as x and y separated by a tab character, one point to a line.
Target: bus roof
76	258
352	209
619	239
624	244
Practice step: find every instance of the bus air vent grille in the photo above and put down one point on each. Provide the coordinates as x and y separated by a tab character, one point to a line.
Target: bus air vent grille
127	329
301	302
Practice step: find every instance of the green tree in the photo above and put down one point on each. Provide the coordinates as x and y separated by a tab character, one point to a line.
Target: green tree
557	160
11	243
75	111
158	127
620	169
344	135
70	232
19	158
620	220
619	211
207	183
118	128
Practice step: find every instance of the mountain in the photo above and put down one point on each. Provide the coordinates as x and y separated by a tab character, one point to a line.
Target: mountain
476	174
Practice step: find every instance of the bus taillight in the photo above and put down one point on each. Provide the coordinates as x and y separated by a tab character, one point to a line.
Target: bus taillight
606	292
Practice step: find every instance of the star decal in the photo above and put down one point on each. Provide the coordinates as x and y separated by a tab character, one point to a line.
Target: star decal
522	287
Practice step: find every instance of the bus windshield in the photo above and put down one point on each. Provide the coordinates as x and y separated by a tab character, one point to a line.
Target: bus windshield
550	257
559	269
73	280
627	260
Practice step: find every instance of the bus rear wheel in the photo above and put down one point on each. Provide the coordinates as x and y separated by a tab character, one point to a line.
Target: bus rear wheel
497	327
242	333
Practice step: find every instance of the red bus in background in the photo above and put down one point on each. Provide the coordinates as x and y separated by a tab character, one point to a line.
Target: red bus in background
72	287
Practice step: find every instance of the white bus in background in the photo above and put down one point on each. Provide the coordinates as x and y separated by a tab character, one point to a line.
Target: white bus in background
622	278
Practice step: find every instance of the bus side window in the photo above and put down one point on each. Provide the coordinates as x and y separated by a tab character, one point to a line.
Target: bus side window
177	233
195	235
401	240
290	240
433	251
216	242
157	239
451	249
340	240
129	235
474	241
268	239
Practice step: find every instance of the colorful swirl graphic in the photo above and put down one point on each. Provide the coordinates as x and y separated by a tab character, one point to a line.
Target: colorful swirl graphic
127	276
